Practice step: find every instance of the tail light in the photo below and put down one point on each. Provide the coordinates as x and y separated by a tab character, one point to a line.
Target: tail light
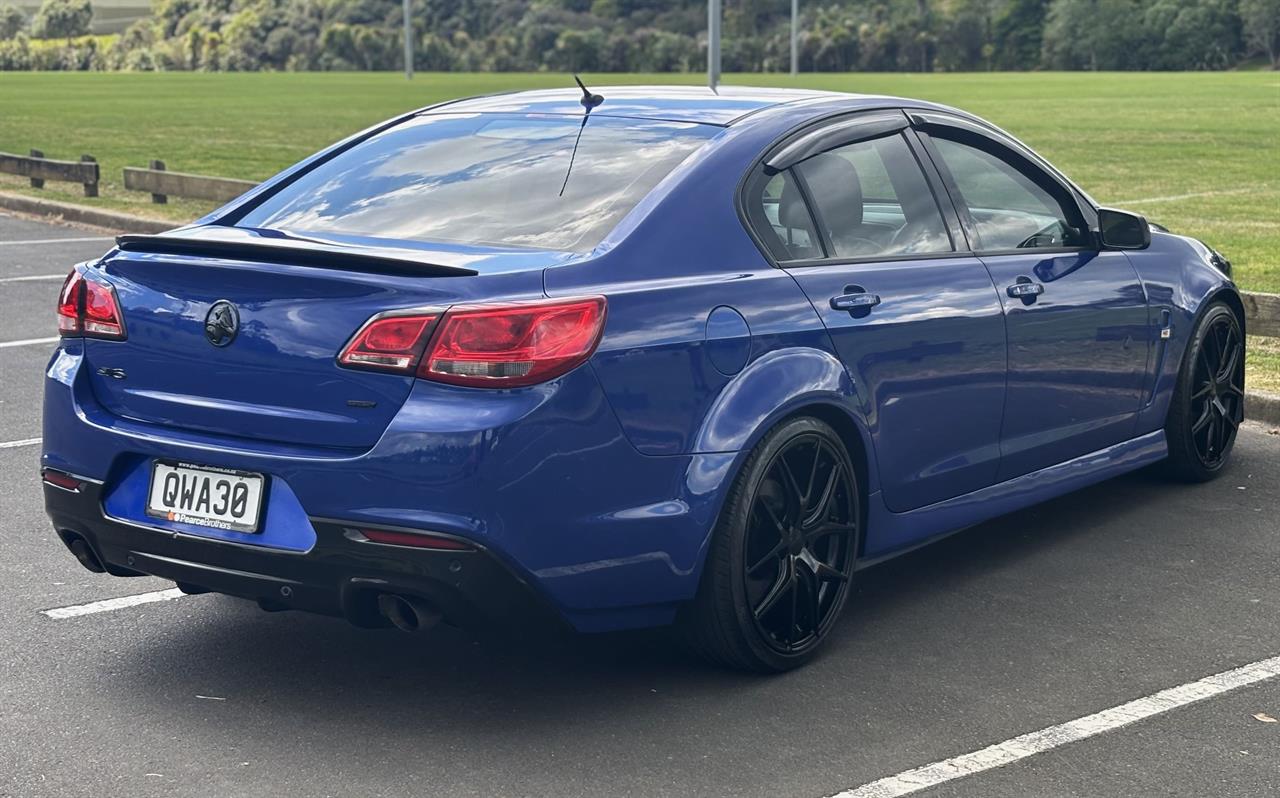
89	308
393	343
71	304
489	346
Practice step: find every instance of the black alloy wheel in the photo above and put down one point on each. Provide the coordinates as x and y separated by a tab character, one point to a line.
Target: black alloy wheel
799	543
1208	402
781	563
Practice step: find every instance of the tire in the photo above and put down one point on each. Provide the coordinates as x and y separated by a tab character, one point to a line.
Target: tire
1208	398
780	565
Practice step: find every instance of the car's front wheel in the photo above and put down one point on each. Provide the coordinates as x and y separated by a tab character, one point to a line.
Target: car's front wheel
1208	400
781	561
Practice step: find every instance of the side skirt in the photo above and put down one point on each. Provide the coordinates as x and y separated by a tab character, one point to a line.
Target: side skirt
890	534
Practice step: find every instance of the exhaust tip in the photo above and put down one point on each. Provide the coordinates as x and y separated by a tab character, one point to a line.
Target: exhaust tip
408	613
83	552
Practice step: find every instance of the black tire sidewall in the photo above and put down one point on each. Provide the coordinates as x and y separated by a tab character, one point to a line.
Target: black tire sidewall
732	530
1184	460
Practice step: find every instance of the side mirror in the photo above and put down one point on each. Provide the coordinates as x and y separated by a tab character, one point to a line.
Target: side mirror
1123	230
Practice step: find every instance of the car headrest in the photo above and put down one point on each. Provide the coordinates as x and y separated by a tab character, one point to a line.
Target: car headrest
834	183
791	208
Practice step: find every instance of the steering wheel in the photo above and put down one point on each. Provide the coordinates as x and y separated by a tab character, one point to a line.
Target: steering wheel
903	238
1049	236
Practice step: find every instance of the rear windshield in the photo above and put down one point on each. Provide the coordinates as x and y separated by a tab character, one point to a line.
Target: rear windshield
486	179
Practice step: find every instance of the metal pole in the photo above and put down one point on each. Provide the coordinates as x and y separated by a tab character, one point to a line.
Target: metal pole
408	42
795	37
713	43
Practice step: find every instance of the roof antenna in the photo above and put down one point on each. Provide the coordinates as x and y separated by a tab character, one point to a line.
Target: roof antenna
588	100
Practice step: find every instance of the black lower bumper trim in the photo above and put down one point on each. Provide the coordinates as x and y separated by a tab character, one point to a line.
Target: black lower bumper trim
341	575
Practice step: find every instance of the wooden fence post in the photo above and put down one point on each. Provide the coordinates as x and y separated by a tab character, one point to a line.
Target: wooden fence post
90	189
159	199
37	182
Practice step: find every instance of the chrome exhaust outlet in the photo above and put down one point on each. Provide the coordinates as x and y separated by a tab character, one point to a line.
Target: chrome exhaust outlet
408	613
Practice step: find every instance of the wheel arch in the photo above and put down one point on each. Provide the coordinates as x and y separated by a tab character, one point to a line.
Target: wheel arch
781	385
1225	293
1231	297
853	434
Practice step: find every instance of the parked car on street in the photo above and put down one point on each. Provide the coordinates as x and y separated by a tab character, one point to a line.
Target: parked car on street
638	357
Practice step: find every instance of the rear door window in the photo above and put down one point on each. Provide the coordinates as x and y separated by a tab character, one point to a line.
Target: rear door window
486	179
871	200
781	217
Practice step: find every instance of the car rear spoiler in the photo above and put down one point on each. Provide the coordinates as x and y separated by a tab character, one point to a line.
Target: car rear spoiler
220	242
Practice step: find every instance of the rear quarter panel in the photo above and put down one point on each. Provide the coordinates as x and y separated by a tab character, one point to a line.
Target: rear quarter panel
682	254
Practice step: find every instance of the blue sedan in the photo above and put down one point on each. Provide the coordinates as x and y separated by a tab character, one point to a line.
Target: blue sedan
631	358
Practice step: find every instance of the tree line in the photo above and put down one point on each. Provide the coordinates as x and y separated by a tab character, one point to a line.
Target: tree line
652	35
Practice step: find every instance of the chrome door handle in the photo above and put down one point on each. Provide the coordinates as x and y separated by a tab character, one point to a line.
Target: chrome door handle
1025	289
852	302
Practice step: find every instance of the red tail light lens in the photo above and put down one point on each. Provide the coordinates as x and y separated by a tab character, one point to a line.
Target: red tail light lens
89	308
70	303
101	311
484	346
513	345
393	343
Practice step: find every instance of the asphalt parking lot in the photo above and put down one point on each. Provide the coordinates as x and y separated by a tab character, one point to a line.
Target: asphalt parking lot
1094	600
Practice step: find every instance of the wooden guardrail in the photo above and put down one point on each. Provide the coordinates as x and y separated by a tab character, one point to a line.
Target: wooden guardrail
39	169
1261	313
164	184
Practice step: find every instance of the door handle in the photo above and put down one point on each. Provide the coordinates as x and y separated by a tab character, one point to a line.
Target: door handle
1025	289
855	302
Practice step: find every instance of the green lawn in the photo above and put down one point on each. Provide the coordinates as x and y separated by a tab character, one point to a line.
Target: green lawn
1198	152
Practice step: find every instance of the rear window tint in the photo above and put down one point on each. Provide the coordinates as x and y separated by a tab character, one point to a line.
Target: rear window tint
486	179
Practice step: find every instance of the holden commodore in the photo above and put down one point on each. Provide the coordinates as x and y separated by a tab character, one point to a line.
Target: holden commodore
643	357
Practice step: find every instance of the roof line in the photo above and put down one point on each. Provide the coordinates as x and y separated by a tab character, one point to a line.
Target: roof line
817	95
433	110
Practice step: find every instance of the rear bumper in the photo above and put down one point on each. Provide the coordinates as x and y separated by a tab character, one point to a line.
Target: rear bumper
342	574
541	480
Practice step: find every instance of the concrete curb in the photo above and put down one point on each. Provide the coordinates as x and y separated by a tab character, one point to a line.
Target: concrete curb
81	214
1263	408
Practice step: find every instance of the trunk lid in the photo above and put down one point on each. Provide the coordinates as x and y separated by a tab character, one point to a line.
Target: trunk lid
277	379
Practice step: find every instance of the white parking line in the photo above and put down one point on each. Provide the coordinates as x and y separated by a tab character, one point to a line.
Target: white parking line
28	342
1037	742
16	444
34	241
107	605
33	278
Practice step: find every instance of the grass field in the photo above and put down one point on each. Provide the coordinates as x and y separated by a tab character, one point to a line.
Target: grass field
1197	152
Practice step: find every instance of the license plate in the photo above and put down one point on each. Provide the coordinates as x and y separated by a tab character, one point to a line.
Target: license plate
205	495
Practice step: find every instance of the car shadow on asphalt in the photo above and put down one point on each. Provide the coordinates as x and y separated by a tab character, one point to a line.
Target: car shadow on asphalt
292	664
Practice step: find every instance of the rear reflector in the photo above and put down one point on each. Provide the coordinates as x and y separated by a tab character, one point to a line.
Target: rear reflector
416	539
61	480
482	346
89	308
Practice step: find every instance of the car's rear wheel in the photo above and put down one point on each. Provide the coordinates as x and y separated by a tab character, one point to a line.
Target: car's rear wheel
1208	400
781	561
